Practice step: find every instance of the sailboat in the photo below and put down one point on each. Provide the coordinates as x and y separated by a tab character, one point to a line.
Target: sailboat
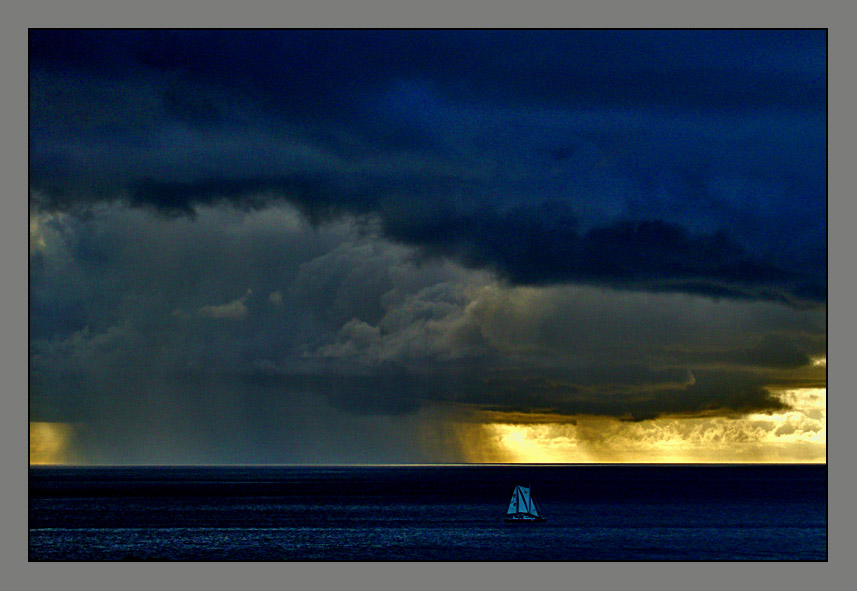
523	508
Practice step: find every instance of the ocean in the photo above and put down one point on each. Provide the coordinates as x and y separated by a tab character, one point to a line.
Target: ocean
428	513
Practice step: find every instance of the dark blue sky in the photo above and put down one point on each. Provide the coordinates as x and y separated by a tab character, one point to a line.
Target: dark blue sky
667	170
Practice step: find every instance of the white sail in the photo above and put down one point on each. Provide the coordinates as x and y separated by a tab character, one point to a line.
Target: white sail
534	510
525	499
514	504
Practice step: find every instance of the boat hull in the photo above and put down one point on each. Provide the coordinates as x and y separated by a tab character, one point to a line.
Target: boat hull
524	520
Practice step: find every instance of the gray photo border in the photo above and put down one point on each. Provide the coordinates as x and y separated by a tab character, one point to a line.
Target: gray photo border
18	573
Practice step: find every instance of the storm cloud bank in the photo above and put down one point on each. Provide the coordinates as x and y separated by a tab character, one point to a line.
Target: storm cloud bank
301	246
238	334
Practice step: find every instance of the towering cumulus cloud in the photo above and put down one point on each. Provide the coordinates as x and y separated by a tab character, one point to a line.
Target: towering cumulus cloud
299	246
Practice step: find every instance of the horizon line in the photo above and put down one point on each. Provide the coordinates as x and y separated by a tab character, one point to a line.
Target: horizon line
418	465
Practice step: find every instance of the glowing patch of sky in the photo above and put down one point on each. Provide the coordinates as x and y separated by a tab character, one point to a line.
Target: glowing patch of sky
52	443
798	435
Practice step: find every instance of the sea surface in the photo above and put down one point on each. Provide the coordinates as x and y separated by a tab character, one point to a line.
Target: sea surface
428	513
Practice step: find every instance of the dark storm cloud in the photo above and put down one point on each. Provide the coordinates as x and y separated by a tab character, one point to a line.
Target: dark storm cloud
539	246
712	393
773	351
256	335
630	393
689	161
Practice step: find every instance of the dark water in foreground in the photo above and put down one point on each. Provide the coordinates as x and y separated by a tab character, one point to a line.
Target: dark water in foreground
420	513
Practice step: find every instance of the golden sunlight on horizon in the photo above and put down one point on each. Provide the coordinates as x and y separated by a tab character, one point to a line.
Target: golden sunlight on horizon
796	435
50	443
